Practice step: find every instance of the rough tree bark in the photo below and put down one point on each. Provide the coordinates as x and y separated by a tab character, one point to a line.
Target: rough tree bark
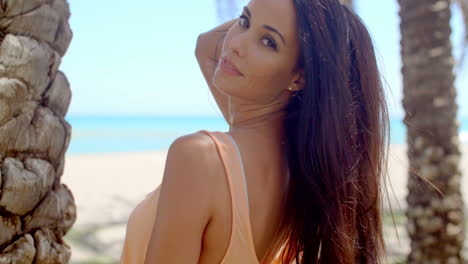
36	210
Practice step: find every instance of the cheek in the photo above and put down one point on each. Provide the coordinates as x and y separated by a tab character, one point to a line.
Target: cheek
268	76
264	77
264	81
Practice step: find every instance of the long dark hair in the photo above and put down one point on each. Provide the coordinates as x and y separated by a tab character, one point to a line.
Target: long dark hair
337	131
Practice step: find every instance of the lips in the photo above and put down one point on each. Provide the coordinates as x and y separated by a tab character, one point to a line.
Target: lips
229	67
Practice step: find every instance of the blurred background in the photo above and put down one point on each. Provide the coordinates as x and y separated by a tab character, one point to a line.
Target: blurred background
136	86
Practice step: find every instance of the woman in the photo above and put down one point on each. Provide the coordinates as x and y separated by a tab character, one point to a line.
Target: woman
298	83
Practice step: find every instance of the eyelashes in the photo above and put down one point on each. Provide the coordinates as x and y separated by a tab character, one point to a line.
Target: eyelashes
243	20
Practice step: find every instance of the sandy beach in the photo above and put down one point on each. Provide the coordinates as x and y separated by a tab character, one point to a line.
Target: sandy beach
108	186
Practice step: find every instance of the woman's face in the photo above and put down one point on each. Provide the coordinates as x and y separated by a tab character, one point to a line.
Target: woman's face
263	46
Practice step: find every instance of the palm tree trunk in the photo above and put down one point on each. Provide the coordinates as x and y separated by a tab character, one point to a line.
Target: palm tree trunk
435	222
36	210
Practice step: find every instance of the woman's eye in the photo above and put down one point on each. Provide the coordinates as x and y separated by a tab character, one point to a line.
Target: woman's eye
243	21
270	43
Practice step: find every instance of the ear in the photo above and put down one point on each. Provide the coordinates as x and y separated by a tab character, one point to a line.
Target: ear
298	81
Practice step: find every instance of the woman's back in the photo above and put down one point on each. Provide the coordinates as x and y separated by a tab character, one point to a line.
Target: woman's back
265	187
232	235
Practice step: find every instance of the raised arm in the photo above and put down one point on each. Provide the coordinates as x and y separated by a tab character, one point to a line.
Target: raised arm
209	46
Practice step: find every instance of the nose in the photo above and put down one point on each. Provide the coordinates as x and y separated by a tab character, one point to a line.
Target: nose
238	44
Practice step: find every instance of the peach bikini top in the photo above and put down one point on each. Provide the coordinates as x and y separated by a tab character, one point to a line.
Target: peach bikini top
241	246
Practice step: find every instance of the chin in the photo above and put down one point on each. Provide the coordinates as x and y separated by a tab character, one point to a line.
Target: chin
223	83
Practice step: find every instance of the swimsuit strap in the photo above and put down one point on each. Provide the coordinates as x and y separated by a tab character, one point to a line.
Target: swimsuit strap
241	236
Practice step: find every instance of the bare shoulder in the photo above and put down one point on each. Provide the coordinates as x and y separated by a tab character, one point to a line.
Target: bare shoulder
187	200
197	147
196	160
195	142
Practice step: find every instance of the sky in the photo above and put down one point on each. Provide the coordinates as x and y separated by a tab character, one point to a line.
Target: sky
138	57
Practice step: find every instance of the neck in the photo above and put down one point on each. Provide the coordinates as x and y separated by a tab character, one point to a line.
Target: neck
262	122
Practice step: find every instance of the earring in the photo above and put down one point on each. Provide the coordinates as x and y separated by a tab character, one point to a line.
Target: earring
290	88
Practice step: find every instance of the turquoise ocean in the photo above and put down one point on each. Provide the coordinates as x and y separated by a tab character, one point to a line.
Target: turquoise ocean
104	134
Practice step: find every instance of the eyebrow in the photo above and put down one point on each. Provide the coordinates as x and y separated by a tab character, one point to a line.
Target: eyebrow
246	9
